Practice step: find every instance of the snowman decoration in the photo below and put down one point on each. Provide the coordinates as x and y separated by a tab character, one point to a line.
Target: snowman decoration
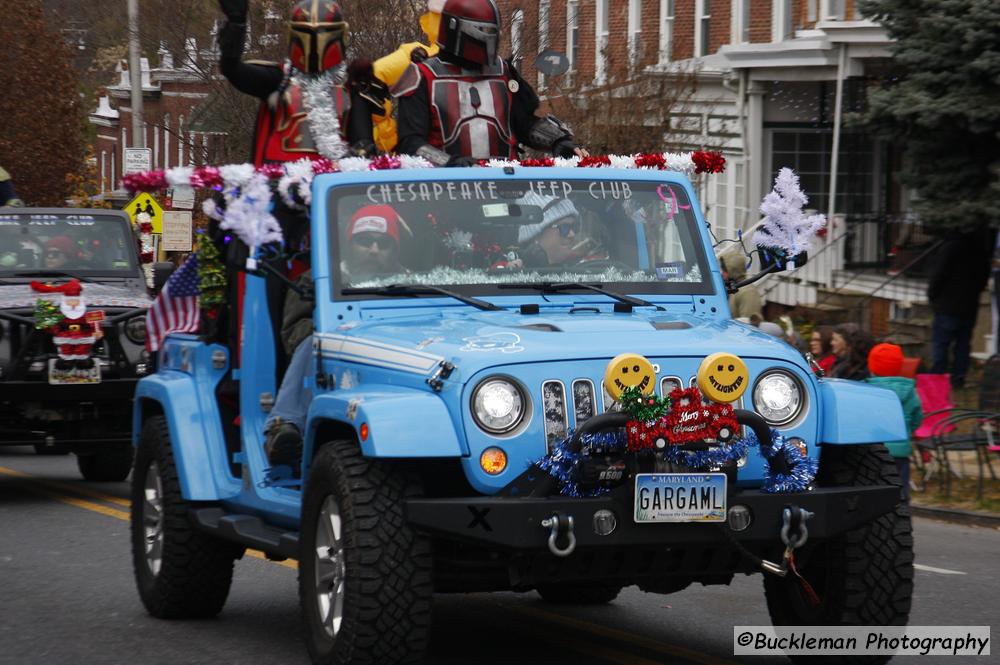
74	330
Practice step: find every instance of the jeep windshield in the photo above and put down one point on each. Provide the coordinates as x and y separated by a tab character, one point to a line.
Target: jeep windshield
51	243
489	236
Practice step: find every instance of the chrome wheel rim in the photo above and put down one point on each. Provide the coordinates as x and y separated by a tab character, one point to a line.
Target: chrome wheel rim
330	567
152	519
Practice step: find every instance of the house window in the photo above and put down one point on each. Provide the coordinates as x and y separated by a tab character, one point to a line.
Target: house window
543	35
603	25
572	32
516	42
740	33
812	10
783	25
703	28
833	10
634	30
666	30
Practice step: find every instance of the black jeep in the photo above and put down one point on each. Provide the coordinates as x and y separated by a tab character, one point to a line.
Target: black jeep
81	405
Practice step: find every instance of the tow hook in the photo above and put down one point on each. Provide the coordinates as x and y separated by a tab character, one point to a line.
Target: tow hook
560	527
794	534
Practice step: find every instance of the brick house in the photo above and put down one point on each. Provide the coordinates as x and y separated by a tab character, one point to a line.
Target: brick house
770	74
172	95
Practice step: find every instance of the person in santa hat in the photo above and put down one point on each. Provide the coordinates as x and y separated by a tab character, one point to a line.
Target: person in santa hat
73	334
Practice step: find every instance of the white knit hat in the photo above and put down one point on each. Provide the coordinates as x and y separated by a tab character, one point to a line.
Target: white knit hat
553	210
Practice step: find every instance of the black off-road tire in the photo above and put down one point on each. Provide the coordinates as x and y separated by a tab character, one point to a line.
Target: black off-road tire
196	570
577	594
863	577
111	464
387	566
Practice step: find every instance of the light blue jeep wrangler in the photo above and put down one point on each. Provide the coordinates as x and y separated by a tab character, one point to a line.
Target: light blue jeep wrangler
465	431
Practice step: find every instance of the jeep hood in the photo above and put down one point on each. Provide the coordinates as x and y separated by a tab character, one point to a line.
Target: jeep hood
94	293
474	342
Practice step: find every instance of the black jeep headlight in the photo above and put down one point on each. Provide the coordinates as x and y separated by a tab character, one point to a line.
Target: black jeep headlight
498	405
135	329
778	397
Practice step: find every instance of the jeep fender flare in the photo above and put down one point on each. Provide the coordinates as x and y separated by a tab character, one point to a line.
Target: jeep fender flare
195	436
401	422
859	413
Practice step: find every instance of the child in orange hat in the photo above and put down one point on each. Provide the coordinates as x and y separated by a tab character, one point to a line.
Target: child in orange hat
885	361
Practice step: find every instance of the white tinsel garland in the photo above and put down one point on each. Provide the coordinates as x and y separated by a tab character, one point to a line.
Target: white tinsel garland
142	222
248	213
321	111
786	226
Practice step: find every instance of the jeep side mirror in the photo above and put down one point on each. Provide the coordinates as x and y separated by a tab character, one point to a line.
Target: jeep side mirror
161	273
772	260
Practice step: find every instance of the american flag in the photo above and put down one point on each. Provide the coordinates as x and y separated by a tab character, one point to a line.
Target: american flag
176	307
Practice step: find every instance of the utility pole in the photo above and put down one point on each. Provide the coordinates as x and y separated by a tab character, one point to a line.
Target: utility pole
135	75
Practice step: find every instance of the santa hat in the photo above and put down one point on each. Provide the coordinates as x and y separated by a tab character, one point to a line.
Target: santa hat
70	288
64	244
885	360
375	219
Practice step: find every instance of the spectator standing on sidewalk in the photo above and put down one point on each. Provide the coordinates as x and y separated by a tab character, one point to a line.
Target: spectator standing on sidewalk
885	361
851	345
746	302
957	278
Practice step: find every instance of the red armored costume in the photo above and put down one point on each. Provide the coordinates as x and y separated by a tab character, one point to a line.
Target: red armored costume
467	103
303	101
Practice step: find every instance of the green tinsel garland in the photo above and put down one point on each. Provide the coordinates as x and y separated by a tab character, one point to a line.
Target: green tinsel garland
211	273
644	408
47	314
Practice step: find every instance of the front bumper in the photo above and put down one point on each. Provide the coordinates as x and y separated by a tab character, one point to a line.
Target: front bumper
516	523
107	391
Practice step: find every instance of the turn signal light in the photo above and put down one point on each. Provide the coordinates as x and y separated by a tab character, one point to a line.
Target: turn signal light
364	431
493	461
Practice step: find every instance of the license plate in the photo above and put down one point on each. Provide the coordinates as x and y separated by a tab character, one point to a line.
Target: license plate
73	376
680	497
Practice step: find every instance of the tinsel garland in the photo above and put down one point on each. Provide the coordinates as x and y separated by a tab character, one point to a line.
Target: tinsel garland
802	469
321	110
47	314
209	177
247	212
700	460
147	254
211	274
562	462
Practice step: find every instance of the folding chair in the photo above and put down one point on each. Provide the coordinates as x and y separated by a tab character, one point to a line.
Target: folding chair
982	439
934	391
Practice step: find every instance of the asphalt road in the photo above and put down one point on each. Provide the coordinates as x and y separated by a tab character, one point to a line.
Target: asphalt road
67	595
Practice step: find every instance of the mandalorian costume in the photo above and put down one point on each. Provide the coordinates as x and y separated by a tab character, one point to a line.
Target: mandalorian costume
467	103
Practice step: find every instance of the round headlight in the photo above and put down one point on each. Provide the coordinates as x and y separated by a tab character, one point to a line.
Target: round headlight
135	329
498	405
778	398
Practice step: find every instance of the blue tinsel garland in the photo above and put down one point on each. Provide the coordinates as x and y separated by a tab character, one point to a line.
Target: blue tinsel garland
561	462
802	469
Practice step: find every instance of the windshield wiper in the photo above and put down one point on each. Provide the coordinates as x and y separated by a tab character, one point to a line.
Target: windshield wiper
558	287
51	273
415	290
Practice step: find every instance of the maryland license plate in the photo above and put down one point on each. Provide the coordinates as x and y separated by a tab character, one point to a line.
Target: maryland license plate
73	376
680	497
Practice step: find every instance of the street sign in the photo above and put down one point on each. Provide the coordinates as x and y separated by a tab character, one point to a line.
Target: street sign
552	63
177	229
180	197
147	204
137	160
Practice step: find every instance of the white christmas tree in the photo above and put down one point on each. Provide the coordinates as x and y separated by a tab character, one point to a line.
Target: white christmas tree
786	226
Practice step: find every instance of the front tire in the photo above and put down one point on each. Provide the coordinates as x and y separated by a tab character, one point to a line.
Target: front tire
364	575
110	464
181	573
864	577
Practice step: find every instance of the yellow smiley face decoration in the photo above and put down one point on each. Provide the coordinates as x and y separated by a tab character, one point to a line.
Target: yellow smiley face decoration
723	377
629	370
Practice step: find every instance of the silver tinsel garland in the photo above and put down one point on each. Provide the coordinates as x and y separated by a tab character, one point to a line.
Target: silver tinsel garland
321	110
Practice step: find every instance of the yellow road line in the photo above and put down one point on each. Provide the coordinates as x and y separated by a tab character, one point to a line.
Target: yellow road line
626	637
103	510
86	491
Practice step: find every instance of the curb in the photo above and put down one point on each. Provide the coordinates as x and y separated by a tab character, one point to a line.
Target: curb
967	517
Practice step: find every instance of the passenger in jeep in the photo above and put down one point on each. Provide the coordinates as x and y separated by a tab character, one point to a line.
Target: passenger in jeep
61	252
553	241
373	236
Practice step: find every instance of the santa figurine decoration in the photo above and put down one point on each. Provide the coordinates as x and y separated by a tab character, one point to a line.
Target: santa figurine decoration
74	330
